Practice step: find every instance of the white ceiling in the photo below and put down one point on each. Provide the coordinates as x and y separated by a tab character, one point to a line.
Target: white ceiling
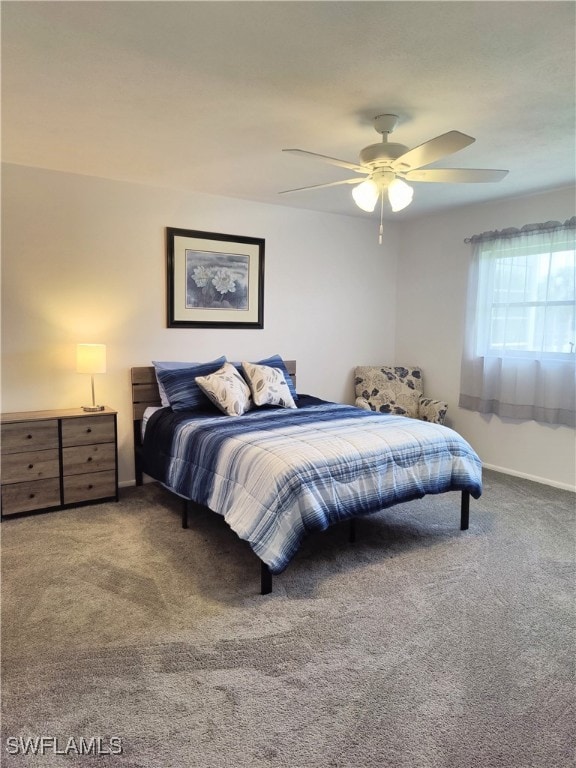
204	95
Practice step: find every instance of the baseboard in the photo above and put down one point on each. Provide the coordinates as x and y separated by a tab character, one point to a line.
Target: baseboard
534	478
132	483
126	483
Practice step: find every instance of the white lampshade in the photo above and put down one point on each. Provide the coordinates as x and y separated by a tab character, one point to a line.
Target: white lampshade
366	195
400	194
91	358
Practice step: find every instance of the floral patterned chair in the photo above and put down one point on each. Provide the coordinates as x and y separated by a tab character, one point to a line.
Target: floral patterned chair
396	390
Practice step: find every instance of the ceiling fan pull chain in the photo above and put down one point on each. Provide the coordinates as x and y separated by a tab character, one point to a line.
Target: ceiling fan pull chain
381	217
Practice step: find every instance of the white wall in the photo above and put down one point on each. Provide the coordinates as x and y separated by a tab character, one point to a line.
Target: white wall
83	260
431	292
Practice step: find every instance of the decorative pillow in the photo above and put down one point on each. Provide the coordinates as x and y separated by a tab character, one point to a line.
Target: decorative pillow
171	366
276	362
182	391
268	385
227	390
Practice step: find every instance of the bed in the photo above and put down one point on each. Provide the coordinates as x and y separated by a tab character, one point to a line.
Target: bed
277	474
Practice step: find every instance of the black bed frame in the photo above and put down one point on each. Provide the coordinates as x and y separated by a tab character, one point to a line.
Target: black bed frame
145	394
266	575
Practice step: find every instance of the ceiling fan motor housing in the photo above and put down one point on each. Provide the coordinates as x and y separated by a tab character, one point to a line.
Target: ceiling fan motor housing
383	153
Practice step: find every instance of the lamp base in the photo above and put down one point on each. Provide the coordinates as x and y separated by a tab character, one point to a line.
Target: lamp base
92	408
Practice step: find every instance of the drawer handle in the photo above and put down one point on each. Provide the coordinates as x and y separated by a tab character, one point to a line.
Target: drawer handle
30	466
28	437
89	430
90	487
89	458
31	496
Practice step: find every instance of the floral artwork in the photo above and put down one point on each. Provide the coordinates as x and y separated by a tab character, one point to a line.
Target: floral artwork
216	280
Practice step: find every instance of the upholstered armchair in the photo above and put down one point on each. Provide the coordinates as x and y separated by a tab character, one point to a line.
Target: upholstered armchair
396	390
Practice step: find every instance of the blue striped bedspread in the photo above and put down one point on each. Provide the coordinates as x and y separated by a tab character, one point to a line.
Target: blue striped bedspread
278	474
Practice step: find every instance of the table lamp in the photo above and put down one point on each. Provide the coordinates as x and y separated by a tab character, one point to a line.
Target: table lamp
91	358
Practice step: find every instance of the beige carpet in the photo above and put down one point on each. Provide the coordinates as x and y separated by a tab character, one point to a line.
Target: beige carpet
418	646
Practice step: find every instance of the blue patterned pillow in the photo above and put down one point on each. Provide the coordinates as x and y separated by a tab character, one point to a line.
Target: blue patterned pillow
169	366
181	389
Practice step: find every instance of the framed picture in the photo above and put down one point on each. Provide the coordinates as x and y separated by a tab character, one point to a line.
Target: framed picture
214	280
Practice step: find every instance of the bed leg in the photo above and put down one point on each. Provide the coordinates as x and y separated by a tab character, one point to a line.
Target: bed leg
265	579
464	511
184	513
352	531
138	452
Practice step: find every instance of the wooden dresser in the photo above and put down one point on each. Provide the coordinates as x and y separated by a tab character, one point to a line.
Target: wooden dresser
56	459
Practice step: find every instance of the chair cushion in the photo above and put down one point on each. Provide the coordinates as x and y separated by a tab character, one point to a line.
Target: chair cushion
403	404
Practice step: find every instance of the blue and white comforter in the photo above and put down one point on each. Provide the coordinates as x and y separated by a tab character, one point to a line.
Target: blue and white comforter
277	474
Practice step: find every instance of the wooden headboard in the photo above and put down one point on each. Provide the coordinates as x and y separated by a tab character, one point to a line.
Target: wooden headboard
145	388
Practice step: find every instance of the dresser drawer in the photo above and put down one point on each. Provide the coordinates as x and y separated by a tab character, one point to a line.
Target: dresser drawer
24	497
88	458
97	485
31	465
88	430
29	436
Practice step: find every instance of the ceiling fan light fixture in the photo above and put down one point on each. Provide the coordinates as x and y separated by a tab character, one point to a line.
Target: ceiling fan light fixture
400	195
366	195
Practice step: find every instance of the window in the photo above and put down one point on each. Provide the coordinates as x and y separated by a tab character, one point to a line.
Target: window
520	347
530	295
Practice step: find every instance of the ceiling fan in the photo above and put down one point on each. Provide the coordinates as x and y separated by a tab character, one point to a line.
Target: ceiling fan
387	166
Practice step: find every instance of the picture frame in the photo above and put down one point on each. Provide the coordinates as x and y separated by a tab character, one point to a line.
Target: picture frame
214	280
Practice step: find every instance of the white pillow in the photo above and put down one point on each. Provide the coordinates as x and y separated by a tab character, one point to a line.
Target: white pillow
227	390
268	385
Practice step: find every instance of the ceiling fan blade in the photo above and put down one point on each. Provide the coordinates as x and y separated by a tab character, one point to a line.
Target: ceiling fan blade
432	150
327	159
319	186
455	175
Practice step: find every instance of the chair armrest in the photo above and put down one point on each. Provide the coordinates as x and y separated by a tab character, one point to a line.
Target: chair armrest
361	402
432	410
